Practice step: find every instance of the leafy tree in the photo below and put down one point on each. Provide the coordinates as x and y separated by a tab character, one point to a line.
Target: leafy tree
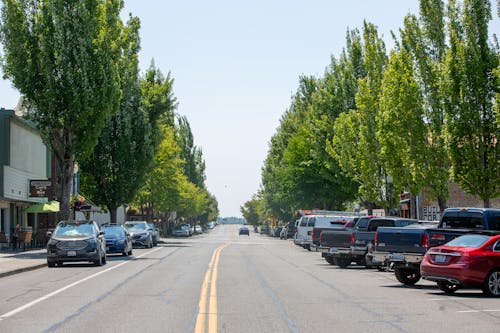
62	55
424	38
402	133
194	168
253	210
471	107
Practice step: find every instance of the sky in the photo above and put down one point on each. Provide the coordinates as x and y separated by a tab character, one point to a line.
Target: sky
236	65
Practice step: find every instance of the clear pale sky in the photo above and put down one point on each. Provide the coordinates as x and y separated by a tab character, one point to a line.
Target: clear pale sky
236	65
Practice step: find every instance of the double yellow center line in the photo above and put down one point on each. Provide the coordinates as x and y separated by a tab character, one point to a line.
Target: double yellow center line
210	280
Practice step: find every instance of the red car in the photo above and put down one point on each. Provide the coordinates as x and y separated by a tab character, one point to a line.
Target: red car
468	261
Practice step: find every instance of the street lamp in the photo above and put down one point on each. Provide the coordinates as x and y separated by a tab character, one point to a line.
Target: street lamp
389	180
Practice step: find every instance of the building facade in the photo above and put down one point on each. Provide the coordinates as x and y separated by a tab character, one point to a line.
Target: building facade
23	157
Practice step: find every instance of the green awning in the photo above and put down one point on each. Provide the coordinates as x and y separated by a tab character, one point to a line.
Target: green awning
48	207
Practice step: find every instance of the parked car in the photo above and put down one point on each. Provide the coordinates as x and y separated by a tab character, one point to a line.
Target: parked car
197	229
211	225
74	241
118	239
181	231
141	233
306	225
405	248
156	233
277	231
468	261
244	231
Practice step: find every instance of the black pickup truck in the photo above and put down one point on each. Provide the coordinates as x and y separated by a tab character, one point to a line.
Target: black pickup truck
356	245
340	223
404	248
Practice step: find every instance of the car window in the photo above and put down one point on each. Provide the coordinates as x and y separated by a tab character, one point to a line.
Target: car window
136	226
495	222
74	230
311	221
363	222
497	247
380	223
303	221
463	220
469	241
113	231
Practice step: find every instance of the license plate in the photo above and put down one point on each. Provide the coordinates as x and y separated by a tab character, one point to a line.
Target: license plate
71	253
439	258
333	250
396	257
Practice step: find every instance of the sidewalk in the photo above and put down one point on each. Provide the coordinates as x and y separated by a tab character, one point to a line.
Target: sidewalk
13	262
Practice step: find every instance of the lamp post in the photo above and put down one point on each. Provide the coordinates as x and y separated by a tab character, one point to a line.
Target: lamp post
389	180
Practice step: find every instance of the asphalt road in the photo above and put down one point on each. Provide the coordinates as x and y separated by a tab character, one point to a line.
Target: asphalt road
222	282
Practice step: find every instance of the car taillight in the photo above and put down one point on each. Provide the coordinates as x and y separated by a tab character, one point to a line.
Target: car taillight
463	258
439	237
376	238
352	238
424	240
312	234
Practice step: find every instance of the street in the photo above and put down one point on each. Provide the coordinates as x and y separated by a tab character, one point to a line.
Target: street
222	282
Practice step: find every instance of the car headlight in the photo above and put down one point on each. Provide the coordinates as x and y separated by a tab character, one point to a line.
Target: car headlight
53	242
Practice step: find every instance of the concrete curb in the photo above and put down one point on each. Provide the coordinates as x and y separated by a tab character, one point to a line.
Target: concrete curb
21	270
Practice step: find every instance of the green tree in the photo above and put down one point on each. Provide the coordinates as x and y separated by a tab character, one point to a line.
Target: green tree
253	210
62	55
424	38
471	114
118	165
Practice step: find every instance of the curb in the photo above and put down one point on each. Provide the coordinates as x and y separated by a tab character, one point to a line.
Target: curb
24	269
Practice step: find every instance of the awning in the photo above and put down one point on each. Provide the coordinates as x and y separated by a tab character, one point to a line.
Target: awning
48	207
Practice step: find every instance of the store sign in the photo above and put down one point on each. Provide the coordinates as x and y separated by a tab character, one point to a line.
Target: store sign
40	188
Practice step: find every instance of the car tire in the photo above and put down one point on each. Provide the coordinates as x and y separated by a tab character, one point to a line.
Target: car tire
407	276
130	252
491	286
51	264
447	287
342	262
330	260
104	259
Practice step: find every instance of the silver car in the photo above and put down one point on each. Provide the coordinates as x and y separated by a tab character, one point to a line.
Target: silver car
141	232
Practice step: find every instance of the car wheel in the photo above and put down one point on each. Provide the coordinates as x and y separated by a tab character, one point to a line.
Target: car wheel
59	263
407	276
447	287
104	259
130	252
491	285
150	242
330	260
51	264
342	262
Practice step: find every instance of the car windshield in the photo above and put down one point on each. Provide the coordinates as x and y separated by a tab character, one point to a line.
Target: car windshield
474	241
136	226
113	231
74	230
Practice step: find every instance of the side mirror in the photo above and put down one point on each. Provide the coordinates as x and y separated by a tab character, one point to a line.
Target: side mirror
48	234
101	233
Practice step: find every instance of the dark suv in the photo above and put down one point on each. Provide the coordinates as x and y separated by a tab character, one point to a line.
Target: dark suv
76	241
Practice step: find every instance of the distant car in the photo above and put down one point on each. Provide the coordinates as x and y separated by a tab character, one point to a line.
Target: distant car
198	229
141	233
76	241
156	233
468	261
211	225
181	231
277	231
244	231
118	239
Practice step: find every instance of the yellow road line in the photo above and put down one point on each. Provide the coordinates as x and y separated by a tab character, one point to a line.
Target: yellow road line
210	278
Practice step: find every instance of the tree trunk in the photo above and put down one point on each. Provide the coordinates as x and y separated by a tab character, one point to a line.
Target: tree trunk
486	203
442	204
112	215
65	167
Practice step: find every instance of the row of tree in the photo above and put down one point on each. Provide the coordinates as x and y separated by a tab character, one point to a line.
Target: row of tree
76	65
422	114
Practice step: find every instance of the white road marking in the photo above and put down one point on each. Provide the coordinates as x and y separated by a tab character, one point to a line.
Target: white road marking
476	311
43	298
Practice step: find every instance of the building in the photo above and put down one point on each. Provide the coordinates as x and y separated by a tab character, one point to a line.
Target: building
24	158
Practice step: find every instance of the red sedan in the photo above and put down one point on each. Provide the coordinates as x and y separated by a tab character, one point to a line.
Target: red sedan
468	261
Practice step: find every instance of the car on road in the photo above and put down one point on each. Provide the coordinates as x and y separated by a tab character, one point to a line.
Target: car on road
141	233
74	241
156	233
468	261
118	239
181	231
197	229
244	231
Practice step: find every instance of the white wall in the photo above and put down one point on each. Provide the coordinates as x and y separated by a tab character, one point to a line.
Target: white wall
102	218
27	151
